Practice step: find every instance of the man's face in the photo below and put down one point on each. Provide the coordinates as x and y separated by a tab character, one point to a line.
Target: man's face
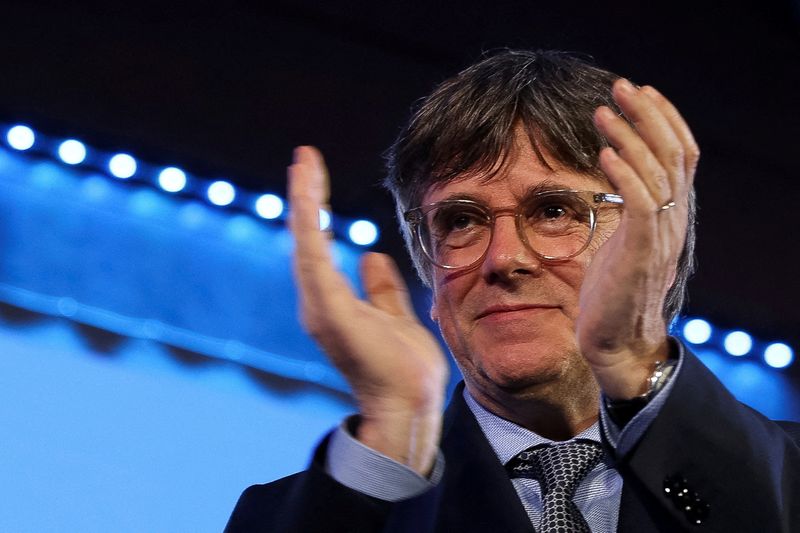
510	321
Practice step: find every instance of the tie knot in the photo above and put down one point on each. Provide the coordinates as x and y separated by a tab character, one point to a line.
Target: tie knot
558	467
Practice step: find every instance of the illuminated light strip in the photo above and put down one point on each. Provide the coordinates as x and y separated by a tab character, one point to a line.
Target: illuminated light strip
23	139
736	343
220	193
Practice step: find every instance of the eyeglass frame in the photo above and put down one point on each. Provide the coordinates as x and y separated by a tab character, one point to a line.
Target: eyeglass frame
415	215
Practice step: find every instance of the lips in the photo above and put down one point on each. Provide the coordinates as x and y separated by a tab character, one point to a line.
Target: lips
502	309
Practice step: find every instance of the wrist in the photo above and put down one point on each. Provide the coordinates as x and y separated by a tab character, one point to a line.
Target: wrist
628	376
623	411
410	437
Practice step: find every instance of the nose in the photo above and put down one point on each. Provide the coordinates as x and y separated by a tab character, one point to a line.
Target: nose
508	256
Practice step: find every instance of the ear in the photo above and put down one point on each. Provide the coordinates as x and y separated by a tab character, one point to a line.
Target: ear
434	310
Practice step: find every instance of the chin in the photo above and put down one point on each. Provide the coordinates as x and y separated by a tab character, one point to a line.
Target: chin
522	366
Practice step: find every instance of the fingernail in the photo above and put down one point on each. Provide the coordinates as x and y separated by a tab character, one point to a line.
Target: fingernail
626	86
606	113
651	91
610	152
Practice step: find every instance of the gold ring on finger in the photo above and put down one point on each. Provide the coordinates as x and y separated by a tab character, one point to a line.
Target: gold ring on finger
667	206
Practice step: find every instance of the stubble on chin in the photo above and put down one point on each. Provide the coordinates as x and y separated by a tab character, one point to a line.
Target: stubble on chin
562	381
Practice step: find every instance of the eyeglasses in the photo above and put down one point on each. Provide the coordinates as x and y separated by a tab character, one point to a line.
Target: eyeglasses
556	225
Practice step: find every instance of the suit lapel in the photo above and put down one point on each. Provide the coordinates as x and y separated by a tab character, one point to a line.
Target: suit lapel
638	511
477	494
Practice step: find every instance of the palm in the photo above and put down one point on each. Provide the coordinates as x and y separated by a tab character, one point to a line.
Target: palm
621	328
623	292
377	343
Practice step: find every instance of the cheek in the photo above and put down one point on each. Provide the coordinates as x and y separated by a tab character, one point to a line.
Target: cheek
601	236
602	233
450	311
607	224
567	281
452	333
450	290
444	310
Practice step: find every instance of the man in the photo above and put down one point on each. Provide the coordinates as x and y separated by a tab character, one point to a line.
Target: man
548	204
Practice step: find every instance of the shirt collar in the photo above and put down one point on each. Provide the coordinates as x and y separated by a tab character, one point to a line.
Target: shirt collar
508	439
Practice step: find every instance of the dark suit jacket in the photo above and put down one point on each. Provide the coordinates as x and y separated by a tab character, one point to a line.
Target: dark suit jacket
739	469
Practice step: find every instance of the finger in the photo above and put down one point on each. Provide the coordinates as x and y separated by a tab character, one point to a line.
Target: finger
308	177
319	184
639	203
632	149
322	290
681	129
307	191
653	127
384	285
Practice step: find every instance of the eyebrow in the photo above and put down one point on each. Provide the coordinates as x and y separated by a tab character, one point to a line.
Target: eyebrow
544	186
532	190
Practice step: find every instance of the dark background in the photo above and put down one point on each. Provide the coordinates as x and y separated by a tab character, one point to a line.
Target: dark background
228	90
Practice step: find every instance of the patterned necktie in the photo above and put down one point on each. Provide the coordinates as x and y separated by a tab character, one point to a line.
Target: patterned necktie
559	469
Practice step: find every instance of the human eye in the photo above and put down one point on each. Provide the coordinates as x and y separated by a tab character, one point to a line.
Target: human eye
556	210
552	211
550	207
457	219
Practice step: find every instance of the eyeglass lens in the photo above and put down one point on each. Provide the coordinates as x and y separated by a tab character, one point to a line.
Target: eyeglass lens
556	225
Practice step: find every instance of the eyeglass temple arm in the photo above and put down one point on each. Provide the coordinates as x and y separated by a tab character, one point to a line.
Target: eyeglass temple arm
609	197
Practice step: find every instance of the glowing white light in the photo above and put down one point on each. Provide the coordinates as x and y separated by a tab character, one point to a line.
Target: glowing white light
72	152
172	179
221	193
778	355
122	166
269	206
697	331
737	343
363	232
20	137
324	220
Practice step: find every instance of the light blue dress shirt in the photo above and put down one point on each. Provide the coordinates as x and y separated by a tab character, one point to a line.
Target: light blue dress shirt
598	496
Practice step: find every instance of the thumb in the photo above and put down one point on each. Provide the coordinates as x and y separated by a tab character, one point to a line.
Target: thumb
384	286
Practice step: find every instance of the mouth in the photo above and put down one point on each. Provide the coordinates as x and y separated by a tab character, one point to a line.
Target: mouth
508	310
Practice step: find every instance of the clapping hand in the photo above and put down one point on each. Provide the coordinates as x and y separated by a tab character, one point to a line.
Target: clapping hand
621	329
393	364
